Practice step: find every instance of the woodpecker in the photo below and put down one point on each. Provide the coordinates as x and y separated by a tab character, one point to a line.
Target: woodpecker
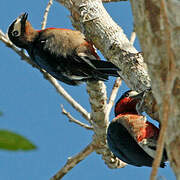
63	53
130	136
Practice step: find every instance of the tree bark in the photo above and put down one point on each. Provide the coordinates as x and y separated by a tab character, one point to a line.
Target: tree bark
157	24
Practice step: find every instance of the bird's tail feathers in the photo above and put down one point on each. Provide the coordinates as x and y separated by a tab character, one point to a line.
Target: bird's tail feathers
163	165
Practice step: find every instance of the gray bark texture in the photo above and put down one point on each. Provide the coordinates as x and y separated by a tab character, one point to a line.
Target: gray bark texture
157	24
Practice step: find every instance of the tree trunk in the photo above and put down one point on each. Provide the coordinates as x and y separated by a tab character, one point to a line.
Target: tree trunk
157	24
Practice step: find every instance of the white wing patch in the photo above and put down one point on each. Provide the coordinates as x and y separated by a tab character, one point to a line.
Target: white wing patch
74	77
146	144
17	27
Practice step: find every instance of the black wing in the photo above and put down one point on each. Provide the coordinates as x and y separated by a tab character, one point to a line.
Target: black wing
70	68
123	145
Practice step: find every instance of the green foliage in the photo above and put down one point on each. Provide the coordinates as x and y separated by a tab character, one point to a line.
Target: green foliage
12	141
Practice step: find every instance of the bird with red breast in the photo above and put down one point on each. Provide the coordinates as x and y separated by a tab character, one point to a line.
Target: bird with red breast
130	136
63	53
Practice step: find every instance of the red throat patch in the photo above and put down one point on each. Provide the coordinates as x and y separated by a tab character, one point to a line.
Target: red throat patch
147	131
126	105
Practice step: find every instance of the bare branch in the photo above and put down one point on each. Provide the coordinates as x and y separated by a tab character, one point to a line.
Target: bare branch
73	161
91	18
161	138
72	119
52	80
44	22
68	97
98	98
165	98
112	97
133	37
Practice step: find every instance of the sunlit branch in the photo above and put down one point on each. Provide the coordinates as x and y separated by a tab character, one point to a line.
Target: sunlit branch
73	161
72	119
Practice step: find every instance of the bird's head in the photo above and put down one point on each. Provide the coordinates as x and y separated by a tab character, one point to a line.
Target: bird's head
20	31
127	102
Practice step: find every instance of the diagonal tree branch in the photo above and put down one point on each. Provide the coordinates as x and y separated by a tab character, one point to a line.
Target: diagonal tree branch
133	37
44	22
161	139
73	161
112	97
68	97
72	119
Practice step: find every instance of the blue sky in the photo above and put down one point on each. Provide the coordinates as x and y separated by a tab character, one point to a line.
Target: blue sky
31	107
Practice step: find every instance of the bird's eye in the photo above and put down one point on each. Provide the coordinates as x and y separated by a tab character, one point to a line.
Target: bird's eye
15	33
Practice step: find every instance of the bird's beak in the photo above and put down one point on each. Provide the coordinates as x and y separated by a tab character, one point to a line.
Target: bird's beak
23	17
138	96
141	95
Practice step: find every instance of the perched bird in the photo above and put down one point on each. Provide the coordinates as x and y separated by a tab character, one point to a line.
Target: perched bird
130	136
63	53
